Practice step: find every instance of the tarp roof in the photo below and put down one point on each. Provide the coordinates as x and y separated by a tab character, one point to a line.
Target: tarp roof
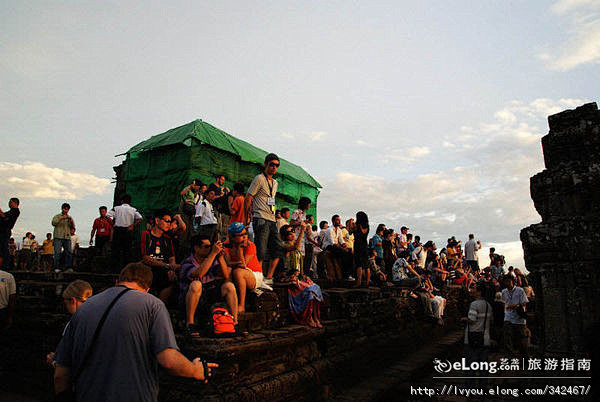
212	136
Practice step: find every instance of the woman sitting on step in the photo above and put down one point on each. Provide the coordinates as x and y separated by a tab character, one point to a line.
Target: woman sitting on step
304	295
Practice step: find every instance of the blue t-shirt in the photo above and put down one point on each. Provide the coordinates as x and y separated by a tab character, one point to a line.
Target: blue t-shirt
123	365
379	249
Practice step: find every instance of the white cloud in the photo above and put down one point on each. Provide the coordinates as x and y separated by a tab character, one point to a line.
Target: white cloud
317	135
36	180
563	6
487	194
407	154
288	136
583	43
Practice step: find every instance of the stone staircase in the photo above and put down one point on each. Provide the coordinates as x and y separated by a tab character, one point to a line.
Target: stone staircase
366	330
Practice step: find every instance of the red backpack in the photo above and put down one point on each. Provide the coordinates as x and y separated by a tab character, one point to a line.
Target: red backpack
221	322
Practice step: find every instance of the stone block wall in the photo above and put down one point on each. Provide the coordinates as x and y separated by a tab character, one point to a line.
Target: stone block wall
563	251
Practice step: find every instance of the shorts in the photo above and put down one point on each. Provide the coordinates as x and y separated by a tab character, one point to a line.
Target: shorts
259	278
474	264
266	239
211	292
160	279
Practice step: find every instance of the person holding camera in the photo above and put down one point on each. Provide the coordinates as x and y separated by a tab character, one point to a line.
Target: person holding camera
516	333
205	279
63	223
471	248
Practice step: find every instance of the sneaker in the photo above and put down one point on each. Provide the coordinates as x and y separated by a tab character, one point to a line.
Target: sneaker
69	270
265	286
350	278
268	281
57	270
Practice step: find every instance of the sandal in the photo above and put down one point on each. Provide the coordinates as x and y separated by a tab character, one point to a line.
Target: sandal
193	331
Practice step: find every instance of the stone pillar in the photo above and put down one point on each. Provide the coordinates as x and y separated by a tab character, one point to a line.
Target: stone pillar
563	251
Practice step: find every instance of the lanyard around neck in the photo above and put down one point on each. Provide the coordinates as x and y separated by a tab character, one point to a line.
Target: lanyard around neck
269	185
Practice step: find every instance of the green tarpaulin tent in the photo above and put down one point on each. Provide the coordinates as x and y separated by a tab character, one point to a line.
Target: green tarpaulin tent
158	168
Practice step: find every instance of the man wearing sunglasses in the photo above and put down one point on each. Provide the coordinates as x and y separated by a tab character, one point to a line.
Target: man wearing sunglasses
205	279
158	254
261	196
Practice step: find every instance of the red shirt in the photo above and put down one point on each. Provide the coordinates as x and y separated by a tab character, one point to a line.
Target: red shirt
103	226
238	206
253	264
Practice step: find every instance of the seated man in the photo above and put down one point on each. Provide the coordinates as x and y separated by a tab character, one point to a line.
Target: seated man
240	255
158	254
205	279
404	274
336	250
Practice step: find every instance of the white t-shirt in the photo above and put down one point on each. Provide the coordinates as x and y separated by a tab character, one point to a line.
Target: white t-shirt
7	287
204	210
332	237
74	241
471	247
26	245
420	256
124	215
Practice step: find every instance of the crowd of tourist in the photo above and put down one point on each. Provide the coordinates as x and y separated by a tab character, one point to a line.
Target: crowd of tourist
222	244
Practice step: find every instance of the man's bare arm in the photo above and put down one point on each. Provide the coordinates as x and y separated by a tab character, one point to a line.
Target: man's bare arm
178	365
62	378
247	202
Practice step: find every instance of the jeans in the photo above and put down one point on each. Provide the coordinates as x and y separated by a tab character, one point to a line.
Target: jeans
64	244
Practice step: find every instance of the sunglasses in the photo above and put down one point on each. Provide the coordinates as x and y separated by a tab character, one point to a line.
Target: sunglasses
274	164
239	234
205	245
166	220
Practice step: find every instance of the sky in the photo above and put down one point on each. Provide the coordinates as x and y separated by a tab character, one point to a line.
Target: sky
425	114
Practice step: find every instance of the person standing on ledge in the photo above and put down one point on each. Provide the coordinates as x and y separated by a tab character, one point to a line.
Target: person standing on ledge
63	224
261	196
125	219
7	222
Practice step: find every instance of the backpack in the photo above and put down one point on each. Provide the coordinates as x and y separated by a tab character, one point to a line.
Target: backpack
221	322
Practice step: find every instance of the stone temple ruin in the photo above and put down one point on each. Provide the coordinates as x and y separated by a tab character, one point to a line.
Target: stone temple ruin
563	251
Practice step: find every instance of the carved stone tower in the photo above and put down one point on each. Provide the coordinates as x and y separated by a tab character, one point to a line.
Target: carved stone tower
563	251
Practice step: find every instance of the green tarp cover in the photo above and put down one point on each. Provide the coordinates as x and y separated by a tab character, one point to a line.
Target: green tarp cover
208	134
158	168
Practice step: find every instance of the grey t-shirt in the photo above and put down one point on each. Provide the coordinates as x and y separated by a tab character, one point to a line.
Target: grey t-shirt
261	190
123	365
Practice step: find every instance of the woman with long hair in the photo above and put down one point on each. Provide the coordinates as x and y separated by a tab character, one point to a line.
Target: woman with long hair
304	296
361	248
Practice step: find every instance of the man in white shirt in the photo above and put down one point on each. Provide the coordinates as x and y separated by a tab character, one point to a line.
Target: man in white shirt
205	216
74	248
337	252
471	247
8	297
125	219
